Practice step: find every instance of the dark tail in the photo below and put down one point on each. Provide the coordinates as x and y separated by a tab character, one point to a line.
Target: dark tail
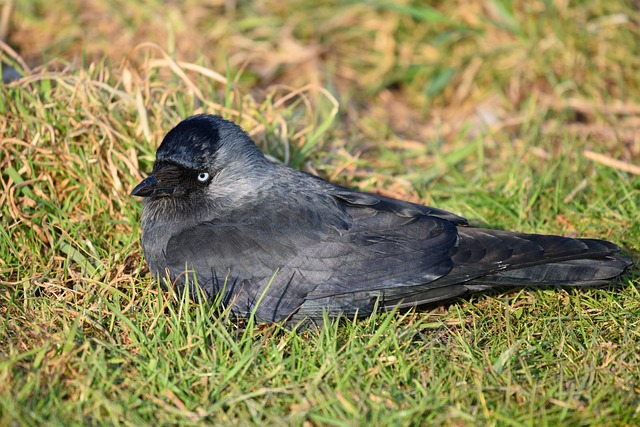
486	259
493	258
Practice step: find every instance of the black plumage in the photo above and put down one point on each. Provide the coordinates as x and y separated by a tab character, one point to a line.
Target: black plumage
217	211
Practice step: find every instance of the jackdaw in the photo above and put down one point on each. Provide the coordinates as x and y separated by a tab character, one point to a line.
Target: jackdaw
288	245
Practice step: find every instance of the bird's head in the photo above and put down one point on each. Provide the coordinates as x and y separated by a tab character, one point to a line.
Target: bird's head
199	151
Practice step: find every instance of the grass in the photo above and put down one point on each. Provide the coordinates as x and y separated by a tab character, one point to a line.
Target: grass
487	109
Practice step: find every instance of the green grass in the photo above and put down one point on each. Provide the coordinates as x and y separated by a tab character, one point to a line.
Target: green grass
483	108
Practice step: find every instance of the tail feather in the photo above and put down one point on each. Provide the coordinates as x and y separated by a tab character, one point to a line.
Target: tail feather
575	272
534	259
486	259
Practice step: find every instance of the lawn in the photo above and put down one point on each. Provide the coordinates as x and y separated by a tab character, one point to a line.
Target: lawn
517	115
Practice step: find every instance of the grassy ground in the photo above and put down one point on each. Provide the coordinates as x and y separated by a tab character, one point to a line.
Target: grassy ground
519	116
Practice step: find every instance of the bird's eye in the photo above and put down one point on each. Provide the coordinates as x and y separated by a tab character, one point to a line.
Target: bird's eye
203	177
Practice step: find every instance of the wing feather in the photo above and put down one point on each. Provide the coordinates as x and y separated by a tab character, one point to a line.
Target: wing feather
339	251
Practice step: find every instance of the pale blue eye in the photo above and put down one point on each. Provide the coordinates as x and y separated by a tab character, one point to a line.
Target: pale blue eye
203	177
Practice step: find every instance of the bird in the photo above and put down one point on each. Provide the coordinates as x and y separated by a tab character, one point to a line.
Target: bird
223	222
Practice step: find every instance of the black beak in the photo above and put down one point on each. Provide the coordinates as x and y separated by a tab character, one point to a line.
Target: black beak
146	188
